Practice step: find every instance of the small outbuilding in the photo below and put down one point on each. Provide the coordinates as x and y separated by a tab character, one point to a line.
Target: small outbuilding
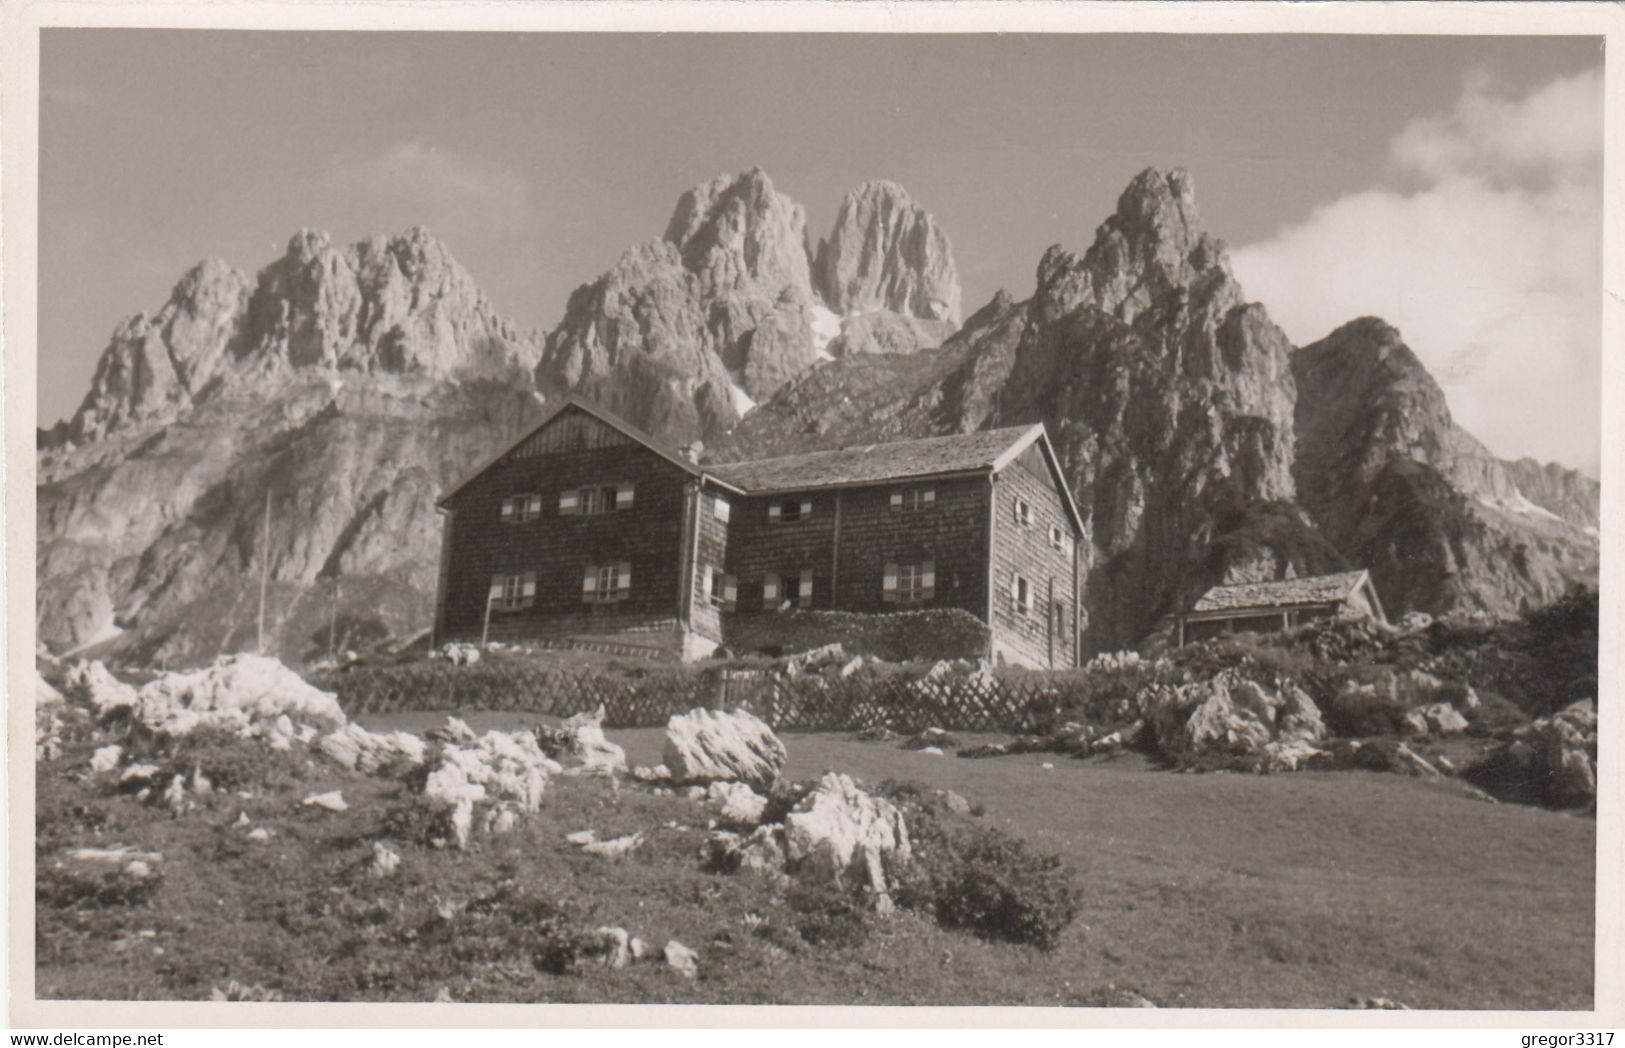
1262	607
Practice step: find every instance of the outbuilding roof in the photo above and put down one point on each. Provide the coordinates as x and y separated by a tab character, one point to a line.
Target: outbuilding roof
1282	593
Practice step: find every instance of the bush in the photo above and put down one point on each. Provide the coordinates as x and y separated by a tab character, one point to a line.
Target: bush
998	888
825	915
980	879
65	888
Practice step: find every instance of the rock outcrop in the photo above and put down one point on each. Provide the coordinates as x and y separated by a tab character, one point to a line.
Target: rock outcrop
1233	722
843	835
1443	524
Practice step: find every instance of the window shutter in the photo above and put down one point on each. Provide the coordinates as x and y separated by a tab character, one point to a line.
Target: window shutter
773	513
730	592
805	591
770	587
569	501
589	582
623	576
497	583
623	495
1015	591
930	496
897	500
888	585
806	508
928	578
529	589
507	510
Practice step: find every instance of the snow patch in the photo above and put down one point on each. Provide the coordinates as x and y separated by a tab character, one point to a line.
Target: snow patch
825	327
743	404
108	632
1519	503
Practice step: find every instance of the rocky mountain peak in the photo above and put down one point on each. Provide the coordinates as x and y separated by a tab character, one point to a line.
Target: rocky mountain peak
397	304
886	252
1154	242
738	233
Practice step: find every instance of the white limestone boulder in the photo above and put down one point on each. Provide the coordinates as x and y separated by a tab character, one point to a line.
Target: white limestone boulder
1230	721
588	744
736	802
705	745
841	834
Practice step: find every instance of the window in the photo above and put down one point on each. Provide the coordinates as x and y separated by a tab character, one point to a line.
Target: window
794	589
1024	513
1057	538
721	589
598	498
603	583
909	583
720	508
1021	595
787	510
1058	618
513	592
517	509
913	498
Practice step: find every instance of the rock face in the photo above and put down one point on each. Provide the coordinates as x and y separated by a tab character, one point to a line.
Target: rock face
722	746
1169	398
687	333
393	305
887	253
1442	523
353	385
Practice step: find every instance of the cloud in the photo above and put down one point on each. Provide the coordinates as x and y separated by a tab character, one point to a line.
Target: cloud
1483	246
418	182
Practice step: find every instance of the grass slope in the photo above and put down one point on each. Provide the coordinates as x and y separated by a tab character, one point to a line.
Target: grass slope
1213	890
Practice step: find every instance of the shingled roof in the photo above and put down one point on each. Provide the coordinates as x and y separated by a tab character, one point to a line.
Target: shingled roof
871	463
1283	593
862	464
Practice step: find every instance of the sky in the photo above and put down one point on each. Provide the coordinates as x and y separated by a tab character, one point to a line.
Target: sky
1451	185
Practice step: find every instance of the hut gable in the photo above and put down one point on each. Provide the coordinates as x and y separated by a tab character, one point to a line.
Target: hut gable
1280	603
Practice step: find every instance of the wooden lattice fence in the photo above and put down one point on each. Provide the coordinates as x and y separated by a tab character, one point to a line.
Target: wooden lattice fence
810	702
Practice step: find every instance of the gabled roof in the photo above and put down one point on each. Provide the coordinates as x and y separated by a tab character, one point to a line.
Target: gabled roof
988	450
1283	593
868	463
608	418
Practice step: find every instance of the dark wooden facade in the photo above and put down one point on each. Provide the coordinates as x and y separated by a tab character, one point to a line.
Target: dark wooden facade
704	551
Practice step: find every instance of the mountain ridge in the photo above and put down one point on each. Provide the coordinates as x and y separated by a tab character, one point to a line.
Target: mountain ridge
356	383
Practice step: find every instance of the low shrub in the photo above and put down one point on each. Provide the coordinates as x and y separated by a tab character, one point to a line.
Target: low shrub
980	879
997	887
826	915
66	888
1494	717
